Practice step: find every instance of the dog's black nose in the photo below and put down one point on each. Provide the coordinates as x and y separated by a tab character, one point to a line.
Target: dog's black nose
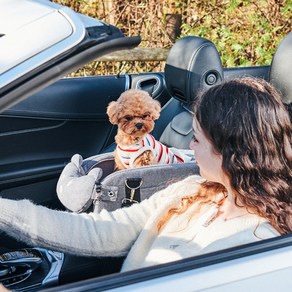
139	126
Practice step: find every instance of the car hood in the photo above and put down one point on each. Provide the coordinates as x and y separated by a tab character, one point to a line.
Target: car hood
42	41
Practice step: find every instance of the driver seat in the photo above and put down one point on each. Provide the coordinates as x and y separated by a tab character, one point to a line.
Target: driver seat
193	65
281	69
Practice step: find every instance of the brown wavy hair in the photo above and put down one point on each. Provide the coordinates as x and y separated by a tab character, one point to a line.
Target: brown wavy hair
248	124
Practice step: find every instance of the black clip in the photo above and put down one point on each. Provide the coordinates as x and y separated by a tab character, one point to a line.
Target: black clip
132	191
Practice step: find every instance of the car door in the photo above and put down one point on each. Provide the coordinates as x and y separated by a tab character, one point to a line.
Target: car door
41	129
40	134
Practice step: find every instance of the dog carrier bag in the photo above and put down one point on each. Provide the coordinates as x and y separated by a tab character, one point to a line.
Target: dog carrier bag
92	184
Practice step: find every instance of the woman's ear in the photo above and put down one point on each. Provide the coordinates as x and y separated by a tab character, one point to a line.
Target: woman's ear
112	112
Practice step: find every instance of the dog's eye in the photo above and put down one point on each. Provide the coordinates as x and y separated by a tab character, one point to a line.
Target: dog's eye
129	118
145	117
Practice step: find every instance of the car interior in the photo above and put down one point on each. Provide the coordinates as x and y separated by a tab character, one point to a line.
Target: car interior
41	133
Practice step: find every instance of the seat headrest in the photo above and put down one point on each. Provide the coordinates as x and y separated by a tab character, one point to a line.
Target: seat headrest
281	68
193	65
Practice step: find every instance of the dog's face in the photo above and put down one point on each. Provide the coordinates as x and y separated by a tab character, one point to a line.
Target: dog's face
134	113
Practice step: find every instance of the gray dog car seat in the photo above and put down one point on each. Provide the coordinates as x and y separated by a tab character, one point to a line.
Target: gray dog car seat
93	183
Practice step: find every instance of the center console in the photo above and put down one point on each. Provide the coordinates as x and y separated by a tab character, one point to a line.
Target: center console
30	269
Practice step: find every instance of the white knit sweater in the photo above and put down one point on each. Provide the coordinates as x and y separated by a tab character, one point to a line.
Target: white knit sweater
133	230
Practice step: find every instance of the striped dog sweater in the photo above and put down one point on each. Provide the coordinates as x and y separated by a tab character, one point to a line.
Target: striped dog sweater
164	154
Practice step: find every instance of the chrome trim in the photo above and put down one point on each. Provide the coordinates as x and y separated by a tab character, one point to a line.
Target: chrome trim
56	259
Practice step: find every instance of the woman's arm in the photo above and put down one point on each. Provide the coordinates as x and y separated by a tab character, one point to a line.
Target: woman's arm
88	234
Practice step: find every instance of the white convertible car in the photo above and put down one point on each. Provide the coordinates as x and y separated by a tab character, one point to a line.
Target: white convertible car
46	118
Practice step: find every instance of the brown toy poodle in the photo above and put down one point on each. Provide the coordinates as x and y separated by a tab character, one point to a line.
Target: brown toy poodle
135	112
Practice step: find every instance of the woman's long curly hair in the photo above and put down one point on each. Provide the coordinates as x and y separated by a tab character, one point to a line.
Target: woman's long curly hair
248	124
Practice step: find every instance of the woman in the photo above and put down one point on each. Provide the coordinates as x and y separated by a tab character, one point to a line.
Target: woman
242	143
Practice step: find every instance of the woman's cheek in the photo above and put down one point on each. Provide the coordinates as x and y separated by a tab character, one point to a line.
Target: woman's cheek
192	145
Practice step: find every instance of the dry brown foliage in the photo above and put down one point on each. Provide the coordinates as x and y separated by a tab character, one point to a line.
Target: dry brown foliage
245	32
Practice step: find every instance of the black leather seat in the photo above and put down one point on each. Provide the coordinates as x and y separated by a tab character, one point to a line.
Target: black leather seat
193	65
281	68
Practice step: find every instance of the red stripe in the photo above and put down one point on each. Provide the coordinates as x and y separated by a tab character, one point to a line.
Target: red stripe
154	145
161	152
168	156
168	159
179	158
128	150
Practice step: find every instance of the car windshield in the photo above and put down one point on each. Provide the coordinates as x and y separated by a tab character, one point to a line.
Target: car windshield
54	40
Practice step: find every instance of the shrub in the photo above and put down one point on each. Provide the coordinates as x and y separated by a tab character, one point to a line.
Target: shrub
245	32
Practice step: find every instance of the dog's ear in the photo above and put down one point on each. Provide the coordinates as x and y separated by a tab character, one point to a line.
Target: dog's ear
156	110
112	112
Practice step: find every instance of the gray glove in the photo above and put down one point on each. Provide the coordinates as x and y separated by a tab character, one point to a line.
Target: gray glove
75	188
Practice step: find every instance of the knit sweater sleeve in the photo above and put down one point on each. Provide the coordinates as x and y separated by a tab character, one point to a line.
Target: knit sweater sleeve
87	234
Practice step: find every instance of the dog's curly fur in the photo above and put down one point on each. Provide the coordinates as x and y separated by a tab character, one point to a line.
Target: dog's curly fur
134	113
